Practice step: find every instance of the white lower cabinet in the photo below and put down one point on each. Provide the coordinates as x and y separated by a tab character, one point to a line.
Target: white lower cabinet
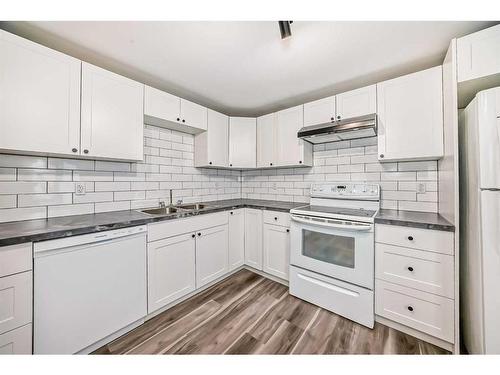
236	241
16	296
253	238
17	341
171	270
211	254
276	250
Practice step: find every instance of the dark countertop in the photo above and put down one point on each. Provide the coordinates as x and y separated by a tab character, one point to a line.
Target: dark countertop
46	229
424	220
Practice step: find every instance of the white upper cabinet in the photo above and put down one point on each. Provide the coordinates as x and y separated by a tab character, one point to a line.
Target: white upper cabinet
356	103
193	115
39	98
211	147
479	54
160	106
319	111
242	142
410	117
169	111
290	150
266	141
112	115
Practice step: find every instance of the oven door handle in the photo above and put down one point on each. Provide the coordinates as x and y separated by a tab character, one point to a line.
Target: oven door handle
355	227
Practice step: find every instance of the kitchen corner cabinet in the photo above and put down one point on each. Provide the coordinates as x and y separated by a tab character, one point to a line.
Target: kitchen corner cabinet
211	254
171	270
354	103
276	250
40	98
290	150
211	147
236	238
112	123
478	54
266	141
253	238
169	111
242	142
410	117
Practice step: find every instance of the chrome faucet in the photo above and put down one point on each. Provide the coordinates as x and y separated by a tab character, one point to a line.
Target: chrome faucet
170	197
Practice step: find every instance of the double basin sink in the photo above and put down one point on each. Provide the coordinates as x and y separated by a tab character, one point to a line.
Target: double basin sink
174	209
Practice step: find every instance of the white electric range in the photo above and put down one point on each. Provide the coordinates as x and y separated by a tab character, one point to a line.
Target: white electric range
332	256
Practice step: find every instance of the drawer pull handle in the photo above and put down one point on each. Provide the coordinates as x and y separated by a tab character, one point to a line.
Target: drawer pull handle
410	269
193	235
410	308
410	238
199	234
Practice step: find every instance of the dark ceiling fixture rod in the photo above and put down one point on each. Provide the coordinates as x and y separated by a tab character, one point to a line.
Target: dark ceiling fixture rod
285	29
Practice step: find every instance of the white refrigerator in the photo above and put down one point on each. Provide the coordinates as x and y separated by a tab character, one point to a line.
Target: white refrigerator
480	223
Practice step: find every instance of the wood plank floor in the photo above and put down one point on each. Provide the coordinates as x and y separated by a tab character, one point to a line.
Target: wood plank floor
249	314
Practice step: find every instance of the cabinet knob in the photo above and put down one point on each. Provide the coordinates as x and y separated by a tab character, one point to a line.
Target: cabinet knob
199	234
381	156
193	235
410	238
210	162
288	230
183	120
338	117
410	269
85	151
300	161
331	118
275	218
232	212
230	165
410	308
74	150
270	163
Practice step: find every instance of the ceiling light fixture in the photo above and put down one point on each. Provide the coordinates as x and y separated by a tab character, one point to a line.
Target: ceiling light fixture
285	29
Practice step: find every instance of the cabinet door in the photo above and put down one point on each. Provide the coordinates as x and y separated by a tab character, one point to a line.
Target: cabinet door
40	98
211	254
171	270
17	341
242	142
478	54
266	140
276	250
217	139
193	114
112	115
236	238
16	294
291	150
356	103
320	111
160	105
410	117
253	238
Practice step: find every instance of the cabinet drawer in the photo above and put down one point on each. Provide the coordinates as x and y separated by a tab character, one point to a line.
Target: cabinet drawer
422	270
415	238
422	311
277	218
15	301
174	227
15	259
17	341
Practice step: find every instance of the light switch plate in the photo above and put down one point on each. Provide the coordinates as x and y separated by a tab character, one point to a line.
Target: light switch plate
80	188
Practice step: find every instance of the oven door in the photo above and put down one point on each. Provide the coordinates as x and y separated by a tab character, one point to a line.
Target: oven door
340	249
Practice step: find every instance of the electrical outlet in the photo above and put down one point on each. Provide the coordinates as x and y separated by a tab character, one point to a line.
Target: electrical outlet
80	188
273	185
421	187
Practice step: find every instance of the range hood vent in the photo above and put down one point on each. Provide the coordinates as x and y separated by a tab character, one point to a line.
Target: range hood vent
351	128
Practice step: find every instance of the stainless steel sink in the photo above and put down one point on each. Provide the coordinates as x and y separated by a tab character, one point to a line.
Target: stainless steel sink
161	210
195	206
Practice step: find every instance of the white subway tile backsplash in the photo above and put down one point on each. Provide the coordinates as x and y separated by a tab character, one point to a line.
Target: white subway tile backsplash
92	176
93	197
74	164
8	201
43	175
21	161
7	174
112	186
21	187
112	206
129	195
112	166
33	200
67	187
129	176
418	206
28	213
70	209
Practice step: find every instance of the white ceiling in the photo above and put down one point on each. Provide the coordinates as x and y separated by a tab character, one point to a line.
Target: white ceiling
244	68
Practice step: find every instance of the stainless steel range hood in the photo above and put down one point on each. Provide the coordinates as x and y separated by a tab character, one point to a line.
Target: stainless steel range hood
351	128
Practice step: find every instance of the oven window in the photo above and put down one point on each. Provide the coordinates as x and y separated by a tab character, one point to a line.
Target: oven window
338	250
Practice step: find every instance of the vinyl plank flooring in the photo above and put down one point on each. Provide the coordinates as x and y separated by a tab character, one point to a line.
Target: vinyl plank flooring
248	314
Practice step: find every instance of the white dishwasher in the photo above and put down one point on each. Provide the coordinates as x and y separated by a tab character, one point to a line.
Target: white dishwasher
87	288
